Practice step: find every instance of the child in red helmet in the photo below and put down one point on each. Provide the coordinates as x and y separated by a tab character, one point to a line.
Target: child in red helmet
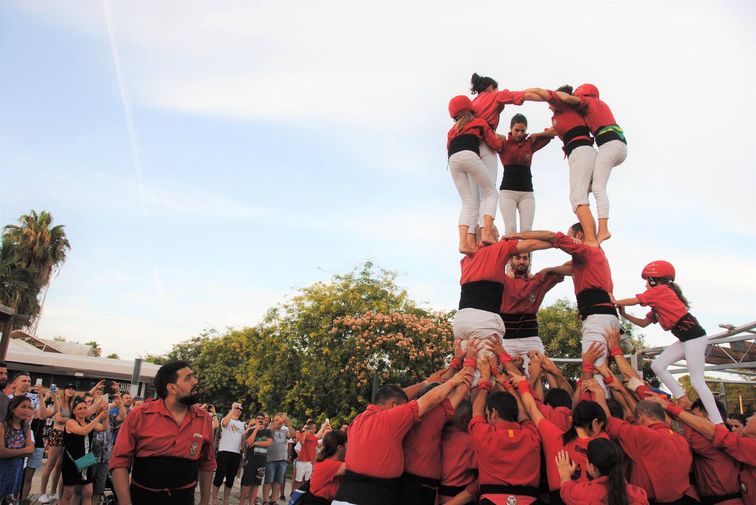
611	143
469	173
669	308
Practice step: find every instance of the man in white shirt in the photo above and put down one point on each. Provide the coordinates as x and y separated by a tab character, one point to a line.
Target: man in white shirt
229	453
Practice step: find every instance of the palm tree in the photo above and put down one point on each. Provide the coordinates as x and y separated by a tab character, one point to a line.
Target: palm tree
40	249
18	285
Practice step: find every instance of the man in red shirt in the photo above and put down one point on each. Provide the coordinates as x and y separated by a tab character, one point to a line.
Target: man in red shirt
308	441
168	445
592	278
661	458
375	452
522	297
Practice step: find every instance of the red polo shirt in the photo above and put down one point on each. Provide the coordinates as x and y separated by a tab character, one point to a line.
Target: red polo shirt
565	118
716	471
651	449
551	435
594	493
422	445
476	127
489	104
560	416
744	450
590	268
324	482
524	296
458	460
521	153
150	430
508	452
309	446
597	113
375	440
488	262
666	307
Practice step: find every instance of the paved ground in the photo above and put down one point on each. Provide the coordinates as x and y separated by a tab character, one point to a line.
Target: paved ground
234	500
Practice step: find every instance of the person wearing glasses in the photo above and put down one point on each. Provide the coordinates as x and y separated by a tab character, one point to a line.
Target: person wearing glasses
229	452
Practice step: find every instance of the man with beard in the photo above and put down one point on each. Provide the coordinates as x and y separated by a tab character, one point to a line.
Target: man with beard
523	295
168	445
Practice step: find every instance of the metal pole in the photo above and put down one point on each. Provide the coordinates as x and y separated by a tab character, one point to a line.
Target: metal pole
134	388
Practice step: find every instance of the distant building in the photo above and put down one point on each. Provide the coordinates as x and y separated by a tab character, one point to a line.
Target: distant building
62	363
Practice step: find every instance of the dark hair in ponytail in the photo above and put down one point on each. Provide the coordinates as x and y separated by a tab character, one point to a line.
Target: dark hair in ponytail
583	416
674	287
606	456
478	83
331	442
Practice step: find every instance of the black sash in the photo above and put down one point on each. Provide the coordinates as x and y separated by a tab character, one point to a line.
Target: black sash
687	328
520	325
506	489
684	500
164	472
450	490
466	142
568	148
713	500
482	295
578	131
517	178
594	301
364	490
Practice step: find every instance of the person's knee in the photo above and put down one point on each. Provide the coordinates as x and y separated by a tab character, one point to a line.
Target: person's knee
658	367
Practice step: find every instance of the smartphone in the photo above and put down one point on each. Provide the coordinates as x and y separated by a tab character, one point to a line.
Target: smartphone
38	382
53	389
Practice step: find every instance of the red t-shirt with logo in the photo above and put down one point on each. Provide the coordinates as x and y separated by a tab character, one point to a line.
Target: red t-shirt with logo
666	307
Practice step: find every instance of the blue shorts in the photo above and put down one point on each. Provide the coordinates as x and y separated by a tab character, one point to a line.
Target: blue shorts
275	471
35	460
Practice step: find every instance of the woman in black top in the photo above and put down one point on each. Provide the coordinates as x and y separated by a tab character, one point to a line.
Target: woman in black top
77	441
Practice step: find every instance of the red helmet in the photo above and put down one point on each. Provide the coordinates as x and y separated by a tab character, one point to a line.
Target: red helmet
458	105
587	90
658	269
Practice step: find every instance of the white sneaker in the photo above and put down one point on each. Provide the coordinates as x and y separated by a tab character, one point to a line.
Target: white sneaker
45	499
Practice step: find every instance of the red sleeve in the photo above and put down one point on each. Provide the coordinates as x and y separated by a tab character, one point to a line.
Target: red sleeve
575	493
544	409
539	143
506	97
568	245
741	448
490	137
478	425
207	460
550	434
124	449
555	101
646	297
402	418
631	438
549	281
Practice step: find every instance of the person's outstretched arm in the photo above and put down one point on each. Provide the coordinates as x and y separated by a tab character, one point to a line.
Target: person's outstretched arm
642	322
439	393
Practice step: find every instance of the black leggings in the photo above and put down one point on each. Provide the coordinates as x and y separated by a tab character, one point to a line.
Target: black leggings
228	467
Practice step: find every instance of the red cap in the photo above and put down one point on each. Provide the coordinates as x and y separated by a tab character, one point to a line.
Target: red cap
458	105
587	90
658	269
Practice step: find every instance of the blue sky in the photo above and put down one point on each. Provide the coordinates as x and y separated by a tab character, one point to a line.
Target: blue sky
276	144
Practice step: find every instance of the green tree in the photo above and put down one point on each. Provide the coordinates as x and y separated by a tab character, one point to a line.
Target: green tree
113	355
94	348
18	284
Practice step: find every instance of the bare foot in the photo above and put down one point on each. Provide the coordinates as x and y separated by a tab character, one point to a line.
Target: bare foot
487	237
605	235
465	249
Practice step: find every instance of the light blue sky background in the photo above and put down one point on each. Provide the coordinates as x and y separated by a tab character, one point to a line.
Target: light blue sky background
209	157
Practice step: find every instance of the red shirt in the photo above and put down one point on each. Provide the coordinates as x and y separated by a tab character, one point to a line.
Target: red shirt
422	445
309	446
476	127
666	307
594	493
716	471
521	153
590	268
661	458
488	262
524	296
551	436
565	118
458	460
508	452
150	430
324	482
597	114
560	416
489	104
744	450
375	440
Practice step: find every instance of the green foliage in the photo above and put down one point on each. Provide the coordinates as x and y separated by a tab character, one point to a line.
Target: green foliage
734	393
113	355
95	349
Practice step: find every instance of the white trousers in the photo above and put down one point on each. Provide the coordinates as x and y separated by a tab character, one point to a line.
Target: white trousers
303	471
610	155
470	176
476	324
491	161
694	352
593	329
522	346
510	202
582	161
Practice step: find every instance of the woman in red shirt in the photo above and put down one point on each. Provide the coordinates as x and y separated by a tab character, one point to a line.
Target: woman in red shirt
469	173
608	485
329	467
669	308
516	190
